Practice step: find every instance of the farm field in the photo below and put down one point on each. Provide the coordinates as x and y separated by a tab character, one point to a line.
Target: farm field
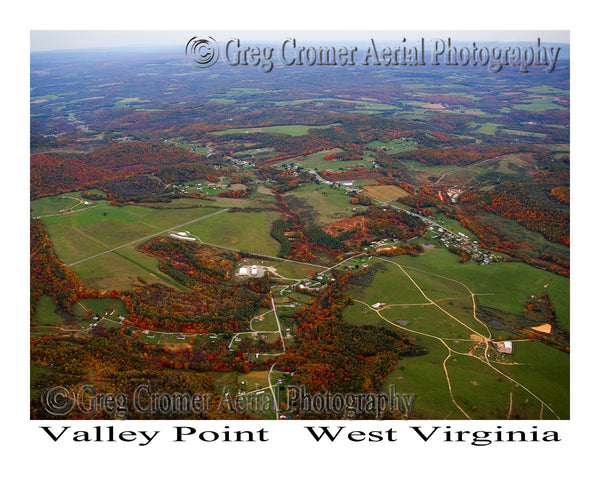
448	329
538	105
122	269
324	203
45	317
239	231
315	160
103	306
292	130
498	285
81	235
387	193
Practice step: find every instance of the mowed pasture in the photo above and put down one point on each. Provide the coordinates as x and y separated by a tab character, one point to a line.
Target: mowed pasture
315	160
246	231
292	130
503	285
328	204
78	236
44	317
535	373
387	193
121	270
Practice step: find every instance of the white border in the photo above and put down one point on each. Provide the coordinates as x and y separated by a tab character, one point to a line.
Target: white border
290	455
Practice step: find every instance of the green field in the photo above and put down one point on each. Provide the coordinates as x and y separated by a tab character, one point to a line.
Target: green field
53	205
292	130
45	317
121	269
95	230
267	324
396	145
486	128
240	231
499	285
328	204
113	308
316	160
535	373
538	105
521	133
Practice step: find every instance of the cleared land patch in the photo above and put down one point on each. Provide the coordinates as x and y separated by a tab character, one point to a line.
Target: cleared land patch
388	193
292	130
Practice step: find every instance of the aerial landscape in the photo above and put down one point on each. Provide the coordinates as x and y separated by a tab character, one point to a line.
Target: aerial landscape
271	236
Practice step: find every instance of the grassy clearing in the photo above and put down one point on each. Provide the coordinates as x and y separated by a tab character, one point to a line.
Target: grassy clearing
292	130
328	203
548	89
268	322
387	193
538	106
486	128
54	205
424	377
240	230
45	312
126	102
397	145
434	169
545	371
481	392
120	270
289	269
92	231
390	286
521	133
101	306
316	160
499	285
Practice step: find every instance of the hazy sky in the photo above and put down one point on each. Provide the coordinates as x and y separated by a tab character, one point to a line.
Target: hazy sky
77	39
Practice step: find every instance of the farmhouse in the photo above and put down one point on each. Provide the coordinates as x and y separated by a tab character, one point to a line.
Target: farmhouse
377	305
505	347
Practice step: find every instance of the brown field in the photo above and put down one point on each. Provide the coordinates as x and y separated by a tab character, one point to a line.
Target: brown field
435	106
345	225
264	190
387	193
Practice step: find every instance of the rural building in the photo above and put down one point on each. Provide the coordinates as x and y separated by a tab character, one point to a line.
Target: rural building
505	347
182	236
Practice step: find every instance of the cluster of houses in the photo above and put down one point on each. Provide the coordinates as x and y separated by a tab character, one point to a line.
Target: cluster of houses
199	187
464	244
315	283
384	244
453	193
